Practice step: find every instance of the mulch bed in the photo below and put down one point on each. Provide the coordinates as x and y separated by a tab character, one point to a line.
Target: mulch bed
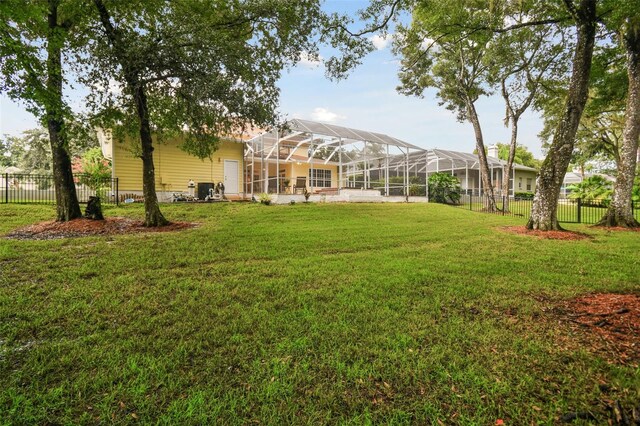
87	227
607	324
617	228
549	235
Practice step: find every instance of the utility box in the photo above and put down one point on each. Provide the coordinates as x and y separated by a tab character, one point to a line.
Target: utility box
203	189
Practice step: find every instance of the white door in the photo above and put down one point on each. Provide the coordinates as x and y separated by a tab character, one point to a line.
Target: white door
231	176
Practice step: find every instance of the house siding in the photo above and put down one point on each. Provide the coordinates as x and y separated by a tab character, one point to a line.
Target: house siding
174	167
522	176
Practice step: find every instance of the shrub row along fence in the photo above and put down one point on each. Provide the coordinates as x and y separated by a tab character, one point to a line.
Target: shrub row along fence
28	188
570	210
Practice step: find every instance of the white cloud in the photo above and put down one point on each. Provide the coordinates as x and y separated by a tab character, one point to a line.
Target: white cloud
381	42
426	43
310	61
323	114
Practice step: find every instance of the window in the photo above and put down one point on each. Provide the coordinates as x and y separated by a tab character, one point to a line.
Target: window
529	181
519	183
320	178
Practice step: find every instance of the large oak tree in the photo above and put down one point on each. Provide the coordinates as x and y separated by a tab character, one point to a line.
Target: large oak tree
197	69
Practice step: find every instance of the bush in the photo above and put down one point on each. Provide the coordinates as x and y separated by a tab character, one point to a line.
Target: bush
444	188
523	196
94	171
592	190
265	199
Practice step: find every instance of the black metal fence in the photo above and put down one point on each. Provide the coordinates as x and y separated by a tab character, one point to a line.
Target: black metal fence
570	210
29	188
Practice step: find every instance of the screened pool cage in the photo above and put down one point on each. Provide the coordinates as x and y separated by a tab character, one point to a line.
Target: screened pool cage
327	159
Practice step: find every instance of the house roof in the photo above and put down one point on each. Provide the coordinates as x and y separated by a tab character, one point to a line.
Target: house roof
298	130
574	177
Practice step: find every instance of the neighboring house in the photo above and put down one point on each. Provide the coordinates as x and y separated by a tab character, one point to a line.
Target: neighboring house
466	167
174	168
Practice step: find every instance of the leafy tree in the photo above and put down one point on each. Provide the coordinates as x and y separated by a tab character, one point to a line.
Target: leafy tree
626	20
522	155
522	59
33	36
95	170
599	134
31	152
5	154
210	67
554	167
444	188
452	61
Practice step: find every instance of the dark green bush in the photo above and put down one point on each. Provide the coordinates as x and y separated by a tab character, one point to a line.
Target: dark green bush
444	188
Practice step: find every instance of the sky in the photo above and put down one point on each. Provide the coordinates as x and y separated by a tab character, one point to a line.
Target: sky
366	100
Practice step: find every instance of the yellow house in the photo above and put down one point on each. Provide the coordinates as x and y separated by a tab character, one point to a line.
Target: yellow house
174	168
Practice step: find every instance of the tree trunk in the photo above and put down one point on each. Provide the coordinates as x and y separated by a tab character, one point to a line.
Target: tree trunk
67	206
507	171
554	167
620	211
487	184
94	209
152	213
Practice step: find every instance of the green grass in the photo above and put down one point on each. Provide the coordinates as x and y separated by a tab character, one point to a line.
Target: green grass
306	314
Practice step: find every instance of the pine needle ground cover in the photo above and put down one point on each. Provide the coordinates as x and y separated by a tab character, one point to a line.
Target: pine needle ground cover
307	314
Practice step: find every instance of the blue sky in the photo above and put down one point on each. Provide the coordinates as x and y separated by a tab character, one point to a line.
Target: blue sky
366	100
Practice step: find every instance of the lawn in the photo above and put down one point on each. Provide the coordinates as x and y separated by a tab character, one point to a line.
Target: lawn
305	314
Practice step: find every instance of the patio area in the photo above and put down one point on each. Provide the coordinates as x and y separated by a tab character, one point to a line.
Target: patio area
336	163
326	160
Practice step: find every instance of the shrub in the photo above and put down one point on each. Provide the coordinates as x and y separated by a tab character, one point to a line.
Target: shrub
265	199
592	190
524	195
95	171
444	188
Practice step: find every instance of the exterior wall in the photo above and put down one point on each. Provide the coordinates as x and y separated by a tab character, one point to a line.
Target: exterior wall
174	167
520	184
302	169
521	181
291	171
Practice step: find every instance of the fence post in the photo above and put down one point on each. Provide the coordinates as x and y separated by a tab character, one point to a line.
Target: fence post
579	210
471	202
6	188
503	209
117	195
